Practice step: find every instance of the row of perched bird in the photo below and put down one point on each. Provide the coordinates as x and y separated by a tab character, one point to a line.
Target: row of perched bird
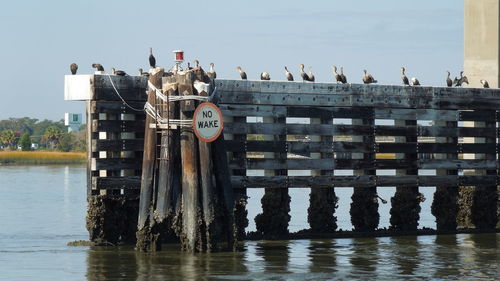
309	77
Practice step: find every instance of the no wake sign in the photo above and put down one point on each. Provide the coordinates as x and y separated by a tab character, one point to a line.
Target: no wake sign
207	122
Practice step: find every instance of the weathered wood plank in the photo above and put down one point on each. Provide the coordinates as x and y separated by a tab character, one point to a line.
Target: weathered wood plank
300	181
129	182
357	100
455	132
128	94
327	112
297	146
118	145
114	164
321	164
244	110
481	115
117	107
118	126
315	129
120	82
358	181
415	114
453	164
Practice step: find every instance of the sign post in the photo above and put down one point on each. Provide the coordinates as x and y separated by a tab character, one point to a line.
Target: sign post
207	122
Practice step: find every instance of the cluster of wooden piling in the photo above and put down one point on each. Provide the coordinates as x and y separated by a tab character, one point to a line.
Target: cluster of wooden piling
185	187
178	205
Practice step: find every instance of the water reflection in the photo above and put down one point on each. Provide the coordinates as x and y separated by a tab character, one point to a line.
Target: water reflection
322	256
365	256
406	256
415	258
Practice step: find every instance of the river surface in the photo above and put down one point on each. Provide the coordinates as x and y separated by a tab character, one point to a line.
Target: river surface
42	208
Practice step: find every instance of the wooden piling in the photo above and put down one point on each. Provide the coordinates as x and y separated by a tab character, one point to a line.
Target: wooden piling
169	174
364	205
191	210
445	200
146	239
405	205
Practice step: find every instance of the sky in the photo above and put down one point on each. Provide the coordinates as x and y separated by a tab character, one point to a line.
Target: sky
40	39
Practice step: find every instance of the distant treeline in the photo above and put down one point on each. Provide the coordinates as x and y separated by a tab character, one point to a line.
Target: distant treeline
31	134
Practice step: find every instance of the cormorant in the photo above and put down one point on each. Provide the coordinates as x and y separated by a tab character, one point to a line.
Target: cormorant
118	72
98	66
142	73
243	74
189	66
265	76
404	78
415	82
212	74
311	75
485	83
196	63
344	79
449	83
73	67
461	80
368	78
152	59
338	78
288	74
304	75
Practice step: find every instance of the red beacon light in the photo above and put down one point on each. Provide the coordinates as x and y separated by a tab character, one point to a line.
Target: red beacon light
179	56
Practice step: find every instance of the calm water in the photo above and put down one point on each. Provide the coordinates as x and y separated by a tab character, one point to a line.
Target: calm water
42	208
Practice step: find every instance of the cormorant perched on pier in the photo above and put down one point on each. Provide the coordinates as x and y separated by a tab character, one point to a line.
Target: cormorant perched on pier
368	78
243	74
265	76
152	59
461	80
304	75
196	63
415	82
189	66
484	83
288	74
142	73
118	72
338	78
311	75
98	66
449	83
73	67
344	79
212	74
404	78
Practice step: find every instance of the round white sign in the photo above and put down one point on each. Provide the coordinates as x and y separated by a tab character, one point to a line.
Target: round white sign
207	122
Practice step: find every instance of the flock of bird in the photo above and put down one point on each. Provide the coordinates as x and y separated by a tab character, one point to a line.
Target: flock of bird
306	77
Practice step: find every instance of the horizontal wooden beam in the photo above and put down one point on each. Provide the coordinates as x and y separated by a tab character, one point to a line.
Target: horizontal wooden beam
118	145
115	164
117	107
130	182
358	181
118	126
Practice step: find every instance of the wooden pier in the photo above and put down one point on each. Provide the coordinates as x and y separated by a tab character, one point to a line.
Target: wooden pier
343	135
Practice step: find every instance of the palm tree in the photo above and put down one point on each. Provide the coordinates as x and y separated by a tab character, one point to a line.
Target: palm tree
53	134
8	138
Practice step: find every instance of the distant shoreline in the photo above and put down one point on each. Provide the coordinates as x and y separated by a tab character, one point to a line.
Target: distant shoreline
41	157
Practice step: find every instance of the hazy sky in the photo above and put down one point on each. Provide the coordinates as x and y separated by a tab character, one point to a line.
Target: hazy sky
40	39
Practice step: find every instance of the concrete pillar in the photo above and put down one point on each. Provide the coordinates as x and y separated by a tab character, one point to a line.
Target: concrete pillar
481	41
